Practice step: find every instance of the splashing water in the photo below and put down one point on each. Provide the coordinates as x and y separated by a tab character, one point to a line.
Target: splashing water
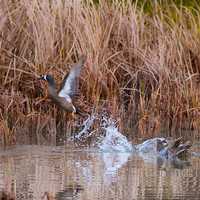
113	141
116	149
110	139
86	131
114	146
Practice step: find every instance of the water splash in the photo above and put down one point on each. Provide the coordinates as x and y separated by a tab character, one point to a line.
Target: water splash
114	145
86	131
109	139
113	141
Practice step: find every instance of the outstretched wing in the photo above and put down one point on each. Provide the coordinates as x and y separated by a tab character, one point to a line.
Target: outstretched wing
70	83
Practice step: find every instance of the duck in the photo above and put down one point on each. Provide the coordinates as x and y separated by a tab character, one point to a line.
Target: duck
63	98
176	148
165	148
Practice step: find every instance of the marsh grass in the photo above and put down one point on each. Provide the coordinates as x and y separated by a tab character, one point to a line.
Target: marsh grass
142	66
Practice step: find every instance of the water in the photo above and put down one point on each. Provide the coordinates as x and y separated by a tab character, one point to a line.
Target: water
114	141
30	172
112	169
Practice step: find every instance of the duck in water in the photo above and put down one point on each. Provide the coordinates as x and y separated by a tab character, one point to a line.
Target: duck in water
167	149
176	149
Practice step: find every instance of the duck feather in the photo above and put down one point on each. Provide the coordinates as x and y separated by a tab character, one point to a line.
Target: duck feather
69	84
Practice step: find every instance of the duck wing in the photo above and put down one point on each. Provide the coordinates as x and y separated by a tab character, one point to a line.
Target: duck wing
173	144
69	85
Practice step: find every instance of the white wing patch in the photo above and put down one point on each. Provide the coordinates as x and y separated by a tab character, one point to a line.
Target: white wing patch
70	84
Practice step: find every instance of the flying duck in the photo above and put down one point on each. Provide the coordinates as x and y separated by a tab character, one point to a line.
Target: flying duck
68	87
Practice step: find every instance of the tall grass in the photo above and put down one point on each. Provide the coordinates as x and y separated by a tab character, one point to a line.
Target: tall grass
142	66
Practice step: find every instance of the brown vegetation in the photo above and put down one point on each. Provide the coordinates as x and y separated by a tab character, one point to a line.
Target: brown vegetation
142	68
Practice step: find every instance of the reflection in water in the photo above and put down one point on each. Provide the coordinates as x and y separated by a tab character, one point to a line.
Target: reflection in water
114	161
70	192
29	172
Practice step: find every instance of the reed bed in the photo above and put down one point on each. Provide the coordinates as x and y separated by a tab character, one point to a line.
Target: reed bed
142	66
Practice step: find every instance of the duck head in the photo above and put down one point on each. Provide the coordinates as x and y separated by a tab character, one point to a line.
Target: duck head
47	78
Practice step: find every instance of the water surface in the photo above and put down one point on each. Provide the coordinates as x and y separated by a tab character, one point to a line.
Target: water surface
31	172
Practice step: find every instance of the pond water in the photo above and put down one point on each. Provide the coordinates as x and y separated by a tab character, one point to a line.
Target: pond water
44	172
